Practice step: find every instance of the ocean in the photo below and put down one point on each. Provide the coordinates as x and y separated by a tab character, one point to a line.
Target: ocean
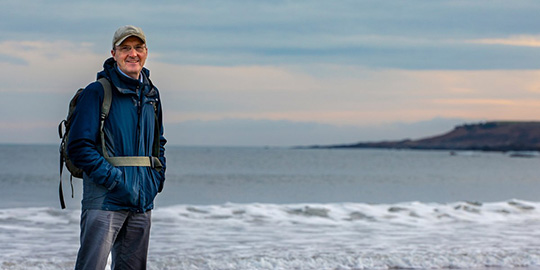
285	208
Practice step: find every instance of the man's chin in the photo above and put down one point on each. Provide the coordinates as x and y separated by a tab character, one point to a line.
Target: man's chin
133	71
133	68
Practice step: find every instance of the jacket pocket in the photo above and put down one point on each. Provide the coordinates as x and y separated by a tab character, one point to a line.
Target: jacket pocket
125	192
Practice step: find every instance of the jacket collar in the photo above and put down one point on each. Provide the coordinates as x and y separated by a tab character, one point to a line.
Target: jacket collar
124	84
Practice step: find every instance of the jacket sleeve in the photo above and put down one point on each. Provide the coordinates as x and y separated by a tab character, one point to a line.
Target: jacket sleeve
162	142
84	138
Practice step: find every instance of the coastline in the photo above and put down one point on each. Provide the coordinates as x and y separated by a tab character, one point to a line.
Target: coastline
498	136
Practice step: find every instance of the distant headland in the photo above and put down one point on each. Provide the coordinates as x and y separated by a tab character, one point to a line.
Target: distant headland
500	136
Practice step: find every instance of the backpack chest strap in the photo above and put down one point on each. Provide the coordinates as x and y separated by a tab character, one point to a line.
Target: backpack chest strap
135	161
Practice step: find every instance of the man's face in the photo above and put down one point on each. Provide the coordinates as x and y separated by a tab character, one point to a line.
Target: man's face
130	56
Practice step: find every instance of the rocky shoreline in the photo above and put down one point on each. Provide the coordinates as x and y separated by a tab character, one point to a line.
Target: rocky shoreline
501	136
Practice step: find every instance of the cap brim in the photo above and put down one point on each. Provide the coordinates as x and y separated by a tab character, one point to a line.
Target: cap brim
119	42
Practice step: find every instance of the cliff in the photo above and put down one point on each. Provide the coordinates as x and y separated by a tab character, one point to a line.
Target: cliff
489	136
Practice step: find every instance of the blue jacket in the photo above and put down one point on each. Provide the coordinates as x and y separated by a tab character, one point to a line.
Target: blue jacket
129	131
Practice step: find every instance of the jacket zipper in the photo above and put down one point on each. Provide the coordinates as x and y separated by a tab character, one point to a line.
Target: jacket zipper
139	91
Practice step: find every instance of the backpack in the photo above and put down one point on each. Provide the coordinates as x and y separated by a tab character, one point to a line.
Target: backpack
63	132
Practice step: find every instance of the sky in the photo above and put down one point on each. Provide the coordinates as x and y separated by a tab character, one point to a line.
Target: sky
281	73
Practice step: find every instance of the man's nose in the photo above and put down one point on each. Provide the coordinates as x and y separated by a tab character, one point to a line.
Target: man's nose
132	52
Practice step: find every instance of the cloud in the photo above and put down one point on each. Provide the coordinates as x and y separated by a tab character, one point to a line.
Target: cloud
46	67
497	102
347	95
37	87
346	64
378	34
249	132
327	94
519	40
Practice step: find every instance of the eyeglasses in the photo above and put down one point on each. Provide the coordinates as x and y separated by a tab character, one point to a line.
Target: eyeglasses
127	48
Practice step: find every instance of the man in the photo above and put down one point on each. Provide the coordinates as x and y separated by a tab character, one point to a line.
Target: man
117	200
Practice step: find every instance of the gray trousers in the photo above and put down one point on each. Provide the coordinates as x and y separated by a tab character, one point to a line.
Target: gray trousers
124	234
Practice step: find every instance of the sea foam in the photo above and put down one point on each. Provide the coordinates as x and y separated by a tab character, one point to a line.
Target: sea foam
410	235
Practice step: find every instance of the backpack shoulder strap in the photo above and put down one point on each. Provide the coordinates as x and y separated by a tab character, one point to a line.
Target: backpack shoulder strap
157	133
107	97
105	108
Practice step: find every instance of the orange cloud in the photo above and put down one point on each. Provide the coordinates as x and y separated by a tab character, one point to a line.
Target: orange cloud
497	102
520	40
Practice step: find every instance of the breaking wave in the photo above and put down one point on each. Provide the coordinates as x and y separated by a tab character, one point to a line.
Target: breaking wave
410	235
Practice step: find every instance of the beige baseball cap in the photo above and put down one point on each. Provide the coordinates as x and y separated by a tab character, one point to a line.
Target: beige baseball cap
127	31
